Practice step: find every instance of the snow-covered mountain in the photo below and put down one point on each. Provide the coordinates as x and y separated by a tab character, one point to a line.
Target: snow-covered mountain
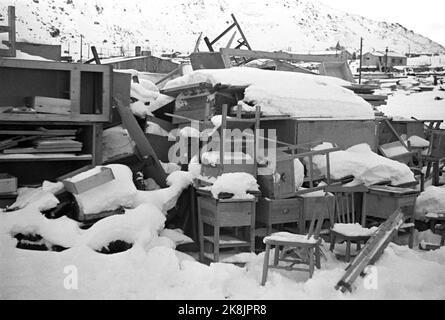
167	25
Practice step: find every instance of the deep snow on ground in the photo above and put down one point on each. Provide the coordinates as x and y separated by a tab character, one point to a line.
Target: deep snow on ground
421	105
163	273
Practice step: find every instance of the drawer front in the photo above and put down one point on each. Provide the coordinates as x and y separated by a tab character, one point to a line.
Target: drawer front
280	211
233	214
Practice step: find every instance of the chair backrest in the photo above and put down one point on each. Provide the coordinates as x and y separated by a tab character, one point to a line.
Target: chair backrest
317	222
345	203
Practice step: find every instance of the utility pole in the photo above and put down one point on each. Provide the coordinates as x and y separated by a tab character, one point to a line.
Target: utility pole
386	60
81	44
361	59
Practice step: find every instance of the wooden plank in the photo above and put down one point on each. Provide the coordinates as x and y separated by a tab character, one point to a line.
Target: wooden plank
51	105
153	168
44	157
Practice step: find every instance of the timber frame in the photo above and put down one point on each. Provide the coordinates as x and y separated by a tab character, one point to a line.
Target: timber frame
10	29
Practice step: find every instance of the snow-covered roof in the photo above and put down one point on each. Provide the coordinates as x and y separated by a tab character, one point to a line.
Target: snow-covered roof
390	54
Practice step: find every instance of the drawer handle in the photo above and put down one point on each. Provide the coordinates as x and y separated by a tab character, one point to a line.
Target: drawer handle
286	211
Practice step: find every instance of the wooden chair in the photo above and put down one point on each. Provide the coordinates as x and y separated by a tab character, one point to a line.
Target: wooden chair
304	249
345	213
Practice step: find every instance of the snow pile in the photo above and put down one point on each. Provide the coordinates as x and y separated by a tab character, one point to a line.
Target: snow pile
237	183
140	225
432	200
287	93
407	106
176	235
112	195
353	230
165	199
36	197
145	95
290	237
366	166
212	158
418	142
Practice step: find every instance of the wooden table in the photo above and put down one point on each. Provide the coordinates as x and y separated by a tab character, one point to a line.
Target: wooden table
225	213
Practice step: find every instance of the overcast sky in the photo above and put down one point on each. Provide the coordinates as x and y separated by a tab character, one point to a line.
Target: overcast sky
426	17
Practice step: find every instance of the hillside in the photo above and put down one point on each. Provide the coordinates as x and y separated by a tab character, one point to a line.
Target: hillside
294	25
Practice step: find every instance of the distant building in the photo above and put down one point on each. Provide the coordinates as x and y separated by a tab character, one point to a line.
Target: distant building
380	60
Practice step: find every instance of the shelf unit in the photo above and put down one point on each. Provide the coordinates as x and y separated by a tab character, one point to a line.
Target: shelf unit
31	169
87	89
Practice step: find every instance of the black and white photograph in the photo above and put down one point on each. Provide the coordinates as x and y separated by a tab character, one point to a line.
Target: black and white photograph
234	151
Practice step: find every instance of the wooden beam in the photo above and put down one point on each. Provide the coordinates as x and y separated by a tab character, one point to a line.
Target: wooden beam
241	32
4	29
278	55
11	22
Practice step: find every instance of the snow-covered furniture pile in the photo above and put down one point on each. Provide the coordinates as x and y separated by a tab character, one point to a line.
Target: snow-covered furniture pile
141	224
285	93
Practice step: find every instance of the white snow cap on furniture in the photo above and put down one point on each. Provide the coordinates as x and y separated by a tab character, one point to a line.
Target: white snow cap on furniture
287	93
110	196
432	200
366	166
237	183
291	237
353	230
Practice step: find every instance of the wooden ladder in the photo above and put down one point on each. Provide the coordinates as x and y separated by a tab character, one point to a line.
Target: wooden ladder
372	250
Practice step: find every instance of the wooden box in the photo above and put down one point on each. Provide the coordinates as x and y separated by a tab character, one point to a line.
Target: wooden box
284	187
437	147
279	211
76	187
8	184
322	204
226	213
382	201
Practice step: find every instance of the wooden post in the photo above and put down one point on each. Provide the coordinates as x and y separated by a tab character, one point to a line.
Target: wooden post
361	59
11	22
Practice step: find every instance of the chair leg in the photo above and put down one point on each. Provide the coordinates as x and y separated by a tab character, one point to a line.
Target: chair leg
201	240
265	265
411	238
317	257
311	262
332	246
348	251
216	244
276	255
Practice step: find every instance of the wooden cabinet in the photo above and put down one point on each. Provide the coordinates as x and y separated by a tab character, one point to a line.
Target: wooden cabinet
225	213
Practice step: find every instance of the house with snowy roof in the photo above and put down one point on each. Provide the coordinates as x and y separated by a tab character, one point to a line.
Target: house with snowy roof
380	59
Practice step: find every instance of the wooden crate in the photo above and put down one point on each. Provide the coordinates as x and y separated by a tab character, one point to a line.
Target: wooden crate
8	184
280	211
76	187
382	201
437	147
279	188
88	87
